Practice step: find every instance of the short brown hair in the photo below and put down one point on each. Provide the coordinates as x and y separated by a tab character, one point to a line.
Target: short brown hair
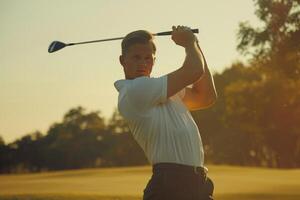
137	37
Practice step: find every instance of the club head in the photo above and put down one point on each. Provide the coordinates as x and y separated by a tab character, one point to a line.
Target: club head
55	46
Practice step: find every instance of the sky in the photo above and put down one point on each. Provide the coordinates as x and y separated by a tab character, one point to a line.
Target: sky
38	88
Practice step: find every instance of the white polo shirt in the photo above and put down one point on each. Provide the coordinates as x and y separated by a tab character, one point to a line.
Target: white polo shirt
163	127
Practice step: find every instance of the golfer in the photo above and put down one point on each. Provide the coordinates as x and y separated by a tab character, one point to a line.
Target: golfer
158	113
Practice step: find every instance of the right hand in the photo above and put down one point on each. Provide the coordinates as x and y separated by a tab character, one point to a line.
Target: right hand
183	36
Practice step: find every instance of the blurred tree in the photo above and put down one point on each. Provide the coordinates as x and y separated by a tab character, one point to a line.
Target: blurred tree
276	45
1	141
269	107
124	150
76	142
80	140
269	111
117	124
24	153
224	143
5	161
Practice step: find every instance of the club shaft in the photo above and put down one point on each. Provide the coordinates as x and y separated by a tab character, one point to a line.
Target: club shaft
119	38
92	41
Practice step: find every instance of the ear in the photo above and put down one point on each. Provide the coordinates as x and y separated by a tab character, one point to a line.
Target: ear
121	59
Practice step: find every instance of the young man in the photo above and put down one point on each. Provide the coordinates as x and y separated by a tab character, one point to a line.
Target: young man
157	111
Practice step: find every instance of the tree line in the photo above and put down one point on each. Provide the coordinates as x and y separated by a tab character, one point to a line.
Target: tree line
81	140
255	121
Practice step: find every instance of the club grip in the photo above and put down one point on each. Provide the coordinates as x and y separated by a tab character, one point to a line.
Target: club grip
170	32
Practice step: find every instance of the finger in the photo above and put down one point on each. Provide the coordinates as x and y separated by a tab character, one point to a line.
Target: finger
180	28
186	28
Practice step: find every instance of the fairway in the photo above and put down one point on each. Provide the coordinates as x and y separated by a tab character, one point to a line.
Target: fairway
234	183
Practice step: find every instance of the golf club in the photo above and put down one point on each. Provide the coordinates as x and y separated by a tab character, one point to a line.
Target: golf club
57	45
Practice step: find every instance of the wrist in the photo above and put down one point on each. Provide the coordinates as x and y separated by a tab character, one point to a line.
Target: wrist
191	47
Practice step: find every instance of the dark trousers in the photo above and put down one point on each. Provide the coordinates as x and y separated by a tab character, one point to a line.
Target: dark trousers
172	181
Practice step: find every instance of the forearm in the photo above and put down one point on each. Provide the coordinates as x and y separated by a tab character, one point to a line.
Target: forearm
193	65
194	62
205	85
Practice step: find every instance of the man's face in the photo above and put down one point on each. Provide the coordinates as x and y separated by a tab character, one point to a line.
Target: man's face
138	60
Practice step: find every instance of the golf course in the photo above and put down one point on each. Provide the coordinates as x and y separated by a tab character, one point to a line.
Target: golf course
234	183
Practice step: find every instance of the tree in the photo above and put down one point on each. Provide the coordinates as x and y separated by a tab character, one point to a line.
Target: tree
1	141
117	124
277	43
5	161
23	154
224	143
275	50
76	142
123	150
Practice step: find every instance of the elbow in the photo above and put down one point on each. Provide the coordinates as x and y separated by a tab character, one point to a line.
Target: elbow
209	103
204	104
211	99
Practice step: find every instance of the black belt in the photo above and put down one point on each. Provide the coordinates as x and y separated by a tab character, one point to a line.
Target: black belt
180	168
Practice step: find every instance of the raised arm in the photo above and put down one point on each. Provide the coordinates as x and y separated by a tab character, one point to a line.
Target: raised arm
193	66
203	92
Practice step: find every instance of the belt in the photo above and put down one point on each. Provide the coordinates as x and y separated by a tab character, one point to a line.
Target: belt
180	168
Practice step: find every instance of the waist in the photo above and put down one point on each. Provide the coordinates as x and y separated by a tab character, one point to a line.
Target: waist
180	168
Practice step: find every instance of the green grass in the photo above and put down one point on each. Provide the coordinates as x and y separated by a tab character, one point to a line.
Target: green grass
234	183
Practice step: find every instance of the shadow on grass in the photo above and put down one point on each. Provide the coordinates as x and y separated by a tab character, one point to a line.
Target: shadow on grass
97	197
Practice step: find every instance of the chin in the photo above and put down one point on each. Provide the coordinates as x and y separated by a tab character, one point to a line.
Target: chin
140	75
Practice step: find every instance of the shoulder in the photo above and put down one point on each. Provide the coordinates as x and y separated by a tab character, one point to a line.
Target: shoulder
142	93
140	84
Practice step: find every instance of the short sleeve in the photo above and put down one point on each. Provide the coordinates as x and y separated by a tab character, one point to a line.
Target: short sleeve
145	92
